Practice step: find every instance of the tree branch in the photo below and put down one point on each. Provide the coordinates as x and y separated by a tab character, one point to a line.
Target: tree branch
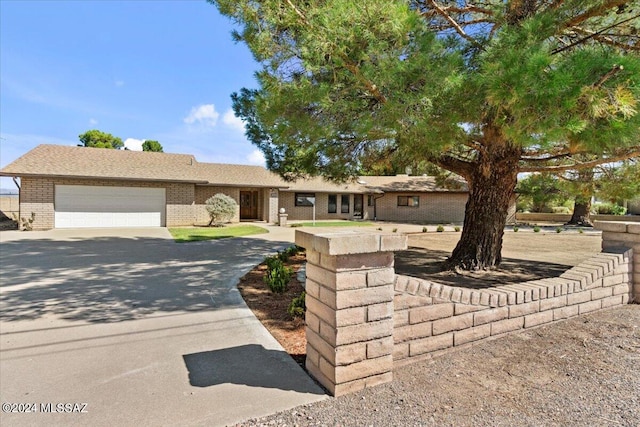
453	23
633	152
453	164
595	11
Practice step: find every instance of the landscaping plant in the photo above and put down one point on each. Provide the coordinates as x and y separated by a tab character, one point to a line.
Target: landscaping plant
297	306
221	208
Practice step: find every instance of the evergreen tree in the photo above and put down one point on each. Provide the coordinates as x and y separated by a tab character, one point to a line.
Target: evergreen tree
99	139
151	145
483	89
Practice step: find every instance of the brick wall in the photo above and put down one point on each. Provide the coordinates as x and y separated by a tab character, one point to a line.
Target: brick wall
305	213
350	333
38	194
205	192
433	208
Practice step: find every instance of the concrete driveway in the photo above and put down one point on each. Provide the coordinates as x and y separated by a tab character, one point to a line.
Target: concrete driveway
137	330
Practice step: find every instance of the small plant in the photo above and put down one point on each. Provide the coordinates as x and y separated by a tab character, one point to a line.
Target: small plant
515	228
24	224
456	228
558	229
440	229
288	252
278	276
424	229
394	230
379	229
221	208
298	224
536	229
580	230
297	306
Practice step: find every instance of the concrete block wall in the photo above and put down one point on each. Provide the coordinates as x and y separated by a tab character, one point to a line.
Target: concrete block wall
362	318
349	316
430	317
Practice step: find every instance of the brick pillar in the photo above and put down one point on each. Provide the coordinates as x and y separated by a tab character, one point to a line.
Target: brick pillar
350	289
624	234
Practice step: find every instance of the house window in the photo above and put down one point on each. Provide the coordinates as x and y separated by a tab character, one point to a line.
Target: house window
333	203
369	200
410	201
305	199
344	203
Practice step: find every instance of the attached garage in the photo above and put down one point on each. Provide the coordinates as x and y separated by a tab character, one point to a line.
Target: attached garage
83	206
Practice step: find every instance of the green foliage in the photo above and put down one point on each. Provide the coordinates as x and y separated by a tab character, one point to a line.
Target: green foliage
197	234
288	252
580	230
539	193
558	229
515	228
151	145
221	208
424	229
99	139
609	209
297	306
440	229
395	230
456	228
536	229
278	275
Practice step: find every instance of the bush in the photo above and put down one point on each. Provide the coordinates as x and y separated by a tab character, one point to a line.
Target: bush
424	229
440	229
289	252
278	276
558	229
609	209
24	224
456	228
536	229
221	208
395	230
515	228
297	306
561	210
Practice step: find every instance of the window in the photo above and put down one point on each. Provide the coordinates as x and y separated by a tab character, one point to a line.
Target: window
410	201
369	200
344	203
305	199
333	203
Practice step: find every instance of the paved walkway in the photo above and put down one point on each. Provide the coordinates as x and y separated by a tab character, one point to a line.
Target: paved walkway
142	330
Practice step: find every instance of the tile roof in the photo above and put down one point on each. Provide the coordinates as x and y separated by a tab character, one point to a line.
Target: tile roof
85	162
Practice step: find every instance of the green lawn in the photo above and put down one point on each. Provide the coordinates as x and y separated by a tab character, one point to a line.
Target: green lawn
335	224
194	234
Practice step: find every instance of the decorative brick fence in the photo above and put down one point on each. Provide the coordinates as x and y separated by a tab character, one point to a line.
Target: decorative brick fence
362	318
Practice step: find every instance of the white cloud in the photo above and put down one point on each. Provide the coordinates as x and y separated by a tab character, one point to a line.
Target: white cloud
205	115
232	121
93	122
256	158
133	144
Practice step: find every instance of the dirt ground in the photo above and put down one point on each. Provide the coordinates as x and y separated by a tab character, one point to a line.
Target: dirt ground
581	372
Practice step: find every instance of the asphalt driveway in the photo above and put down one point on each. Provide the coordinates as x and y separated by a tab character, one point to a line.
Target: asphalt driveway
137	330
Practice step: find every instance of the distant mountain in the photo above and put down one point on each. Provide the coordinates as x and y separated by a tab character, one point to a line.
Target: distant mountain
7	191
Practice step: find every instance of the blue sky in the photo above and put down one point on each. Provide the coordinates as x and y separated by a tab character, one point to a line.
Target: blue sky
139	70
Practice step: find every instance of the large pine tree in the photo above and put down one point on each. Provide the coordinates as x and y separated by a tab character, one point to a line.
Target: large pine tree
485	89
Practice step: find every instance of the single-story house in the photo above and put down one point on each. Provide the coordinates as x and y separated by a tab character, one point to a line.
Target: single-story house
72	187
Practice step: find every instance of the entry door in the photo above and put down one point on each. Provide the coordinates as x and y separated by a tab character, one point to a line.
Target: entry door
248	205
357	205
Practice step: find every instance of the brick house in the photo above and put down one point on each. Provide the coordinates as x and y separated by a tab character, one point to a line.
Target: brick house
72	187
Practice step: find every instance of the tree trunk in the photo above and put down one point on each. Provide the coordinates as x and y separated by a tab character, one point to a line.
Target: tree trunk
491	188
581	212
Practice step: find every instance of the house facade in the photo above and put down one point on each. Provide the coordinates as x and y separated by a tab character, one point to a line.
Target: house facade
75	187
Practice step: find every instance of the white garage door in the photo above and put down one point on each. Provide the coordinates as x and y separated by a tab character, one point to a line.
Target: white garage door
78	206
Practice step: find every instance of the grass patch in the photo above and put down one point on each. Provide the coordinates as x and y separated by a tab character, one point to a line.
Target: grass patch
195	234
335	224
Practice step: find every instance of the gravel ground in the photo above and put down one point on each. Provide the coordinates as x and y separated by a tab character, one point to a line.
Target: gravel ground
581	372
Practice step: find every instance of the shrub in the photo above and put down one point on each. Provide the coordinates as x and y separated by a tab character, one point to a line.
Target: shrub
456	228
580	230
278	276
379	228
221	208
561	210
394	230
288	252
536	229
558	229
297	306
609	209
24	224
424	229
515	228
440	229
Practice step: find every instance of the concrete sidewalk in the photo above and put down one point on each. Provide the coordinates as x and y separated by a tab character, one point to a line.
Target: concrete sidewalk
142	330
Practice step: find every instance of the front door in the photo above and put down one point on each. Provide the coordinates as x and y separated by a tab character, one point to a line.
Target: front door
248	205
357	205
